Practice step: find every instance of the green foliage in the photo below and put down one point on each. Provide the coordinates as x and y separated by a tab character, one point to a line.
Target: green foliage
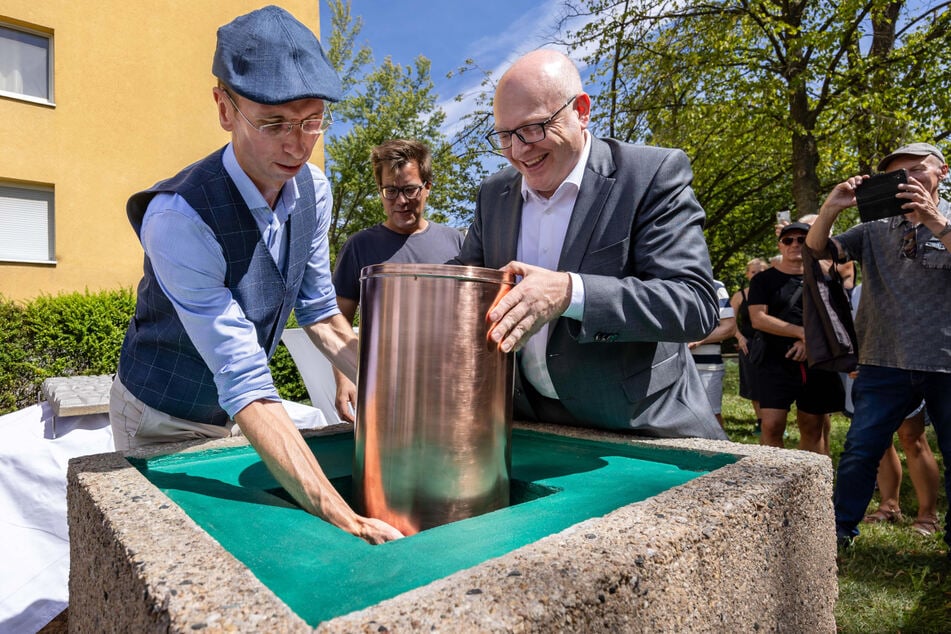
13	365
383	102
75	333
287	378
773	102
82	333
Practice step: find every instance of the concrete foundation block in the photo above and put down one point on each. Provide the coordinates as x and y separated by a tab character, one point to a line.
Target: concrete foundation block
747	547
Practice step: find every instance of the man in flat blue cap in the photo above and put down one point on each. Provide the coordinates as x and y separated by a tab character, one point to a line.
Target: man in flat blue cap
232	244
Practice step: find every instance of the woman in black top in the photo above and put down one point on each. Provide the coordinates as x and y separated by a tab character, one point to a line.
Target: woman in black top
744	330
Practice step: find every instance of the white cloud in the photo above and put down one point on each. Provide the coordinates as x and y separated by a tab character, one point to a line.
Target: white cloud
536	28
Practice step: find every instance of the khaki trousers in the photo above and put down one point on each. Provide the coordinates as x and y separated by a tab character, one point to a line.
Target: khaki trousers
135	424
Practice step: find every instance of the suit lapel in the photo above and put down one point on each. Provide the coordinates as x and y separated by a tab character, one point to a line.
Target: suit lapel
510	209
595	187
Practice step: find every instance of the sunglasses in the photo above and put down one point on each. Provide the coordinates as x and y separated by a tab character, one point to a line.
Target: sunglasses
789	240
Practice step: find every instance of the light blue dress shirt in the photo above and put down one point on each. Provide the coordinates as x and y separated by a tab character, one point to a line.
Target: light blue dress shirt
190	268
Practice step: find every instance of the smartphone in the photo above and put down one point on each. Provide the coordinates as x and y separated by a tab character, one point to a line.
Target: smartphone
782	217
876	196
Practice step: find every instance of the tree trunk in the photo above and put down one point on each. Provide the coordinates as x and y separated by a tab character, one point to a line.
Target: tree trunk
805	153
880	135
805	183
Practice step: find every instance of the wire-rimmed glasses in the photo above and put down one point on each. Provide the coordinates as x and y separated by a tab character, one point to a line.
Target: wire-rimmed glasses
313	126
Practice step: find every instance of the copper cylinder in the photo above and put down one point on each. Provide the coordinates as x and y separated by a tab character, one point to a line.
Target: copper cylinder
434	396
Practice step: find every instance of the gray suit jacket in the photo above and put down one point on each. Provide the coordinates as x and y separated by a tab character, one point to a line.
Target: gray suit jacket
636	238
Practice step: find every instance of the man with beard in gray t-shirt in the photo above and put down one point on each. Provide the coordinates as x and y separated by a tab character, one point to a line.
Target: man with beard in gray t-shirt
404	177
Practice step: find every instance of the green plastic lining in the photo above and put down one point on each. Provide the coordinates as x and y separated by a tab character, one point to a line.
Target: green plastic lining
321	572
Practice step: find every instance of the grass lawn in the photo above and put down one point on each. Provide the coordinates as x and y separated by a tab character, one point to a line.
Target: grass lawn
893	579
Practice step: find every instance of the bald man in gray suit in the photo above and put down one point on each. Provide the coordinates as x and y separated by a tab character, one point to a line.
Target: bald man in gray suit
607	238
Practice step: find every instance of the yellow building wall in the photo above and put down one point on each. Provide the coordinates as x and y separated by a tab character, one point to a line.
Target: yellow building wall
132	87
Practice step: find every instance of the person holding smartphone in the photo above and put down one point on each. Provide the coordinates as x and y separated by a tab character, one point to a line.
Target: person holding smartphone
902	321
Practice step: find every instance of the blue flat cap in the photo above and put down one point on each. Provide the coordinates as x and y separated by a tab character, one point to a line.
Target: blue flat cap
269	57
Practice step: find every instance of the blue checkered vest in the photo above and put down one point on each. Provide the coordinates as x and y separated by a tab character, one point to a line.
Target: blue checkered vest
158	362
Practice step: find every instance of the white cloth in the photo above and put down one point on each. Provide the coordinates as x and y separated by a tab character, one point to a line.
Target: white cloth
34	536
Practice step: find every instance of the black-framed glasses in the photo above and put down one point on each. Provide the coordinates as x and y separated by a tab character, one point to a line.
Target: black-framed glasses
411	192
909	244
528	133
313	126
788	240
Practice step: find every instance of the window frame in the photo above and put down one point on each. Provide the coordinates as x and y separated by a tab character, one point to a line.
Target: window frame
8	190
48	36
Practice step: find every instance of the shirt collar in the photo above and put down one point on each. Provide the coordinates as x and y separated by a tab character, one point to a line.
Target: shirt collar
573	179
252	195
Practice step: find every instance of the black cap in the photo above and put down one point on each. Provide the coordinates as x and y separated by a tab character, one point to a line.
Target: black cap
794	226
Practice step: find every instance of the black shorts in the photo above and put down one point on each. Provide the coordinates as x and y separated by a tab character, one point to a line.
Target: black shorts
814	391
749	377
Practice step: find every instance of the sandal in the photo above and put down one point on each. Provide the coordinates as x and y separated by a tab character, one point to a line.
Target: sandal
926	527
883	515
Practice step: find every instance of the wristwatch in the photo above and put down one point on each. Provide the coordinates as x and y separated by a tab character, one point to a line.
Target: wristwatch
945	231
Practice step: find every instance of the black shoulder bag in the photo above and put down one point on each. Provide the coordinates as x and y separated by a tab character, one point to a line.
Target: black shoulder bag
831	343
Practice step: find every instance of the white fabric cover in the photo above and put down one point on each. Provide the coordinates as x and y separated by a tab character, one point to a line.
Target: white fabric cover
34	537
316	371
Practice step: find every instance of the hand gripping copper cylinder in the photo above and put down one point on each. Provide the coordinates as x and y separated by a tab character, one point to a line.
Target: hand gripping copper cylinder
434	396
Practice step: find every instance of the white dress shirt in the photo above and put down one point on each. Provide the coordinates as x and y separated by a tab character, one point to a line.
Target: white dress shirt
540	241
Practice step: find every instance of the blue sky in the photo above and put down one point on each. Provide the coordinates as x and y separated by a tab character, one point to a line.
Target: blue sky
492	32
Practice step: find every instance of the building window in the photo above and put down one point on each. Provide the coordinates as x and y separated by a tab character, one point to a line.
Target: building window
26	224
26	68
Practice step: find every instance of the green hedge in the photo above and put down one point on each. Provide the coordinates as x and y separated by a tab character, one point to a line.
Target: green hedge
81	333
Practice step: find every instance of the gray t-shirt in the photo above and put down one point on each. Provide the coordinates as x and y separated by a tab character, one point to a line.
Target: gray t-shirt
903	320
436	244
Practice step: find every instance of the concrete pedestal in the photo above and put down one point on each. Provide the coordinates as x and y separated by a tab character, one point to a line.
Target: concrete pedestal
749	546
